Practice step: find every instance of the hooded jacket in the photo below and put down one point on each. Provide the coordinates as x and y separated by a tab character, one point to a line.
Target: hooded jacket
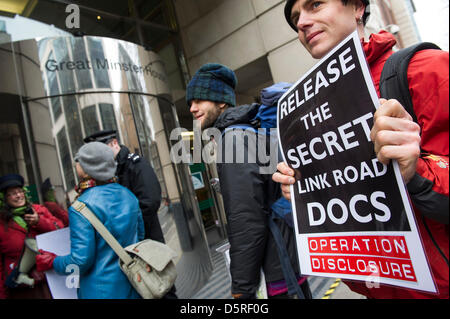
247	196
428	77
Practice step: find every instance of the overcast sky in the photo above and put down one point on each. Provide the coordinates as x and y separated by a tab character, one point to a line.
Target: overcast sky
432	21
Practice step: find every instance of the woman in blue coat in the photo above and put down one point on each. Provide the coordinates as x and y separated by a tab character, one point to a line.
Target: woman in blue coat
118	209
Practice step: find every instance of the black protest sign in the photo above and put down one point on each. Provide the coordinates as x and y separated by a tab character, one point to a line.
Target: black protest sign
324	125
352	215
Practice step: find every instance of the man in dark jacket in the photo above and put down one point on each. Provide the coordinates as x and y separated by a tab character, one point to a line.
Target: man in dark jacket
136	174
247	193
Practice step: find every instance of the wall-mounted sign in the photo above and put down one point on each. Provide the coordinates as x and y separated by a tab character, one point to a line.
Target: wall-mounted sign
104	65
197	180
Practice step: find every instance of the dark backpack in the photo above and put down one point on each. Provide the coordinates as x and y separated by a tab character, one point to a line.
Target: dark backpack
394	78
394	85
266	118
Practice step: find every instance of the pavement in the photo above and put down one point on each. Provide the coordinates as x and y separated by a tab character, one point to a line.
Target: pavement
331	288
219	284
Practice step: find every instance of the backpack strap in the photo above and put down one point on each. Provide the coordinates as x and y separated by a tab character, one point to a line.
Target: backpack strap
286	266
239	126
101	229
394	77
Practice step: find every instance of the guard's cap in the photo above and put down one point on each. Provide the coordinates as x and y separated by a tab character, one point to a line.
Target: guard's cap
102	136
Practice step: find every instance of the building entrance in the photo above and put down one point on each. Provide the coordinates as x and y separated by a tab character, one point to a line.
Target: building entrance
56	91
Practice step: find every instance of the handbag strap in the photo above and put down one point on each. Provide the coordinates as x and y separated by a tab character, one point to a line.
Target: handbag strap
101	229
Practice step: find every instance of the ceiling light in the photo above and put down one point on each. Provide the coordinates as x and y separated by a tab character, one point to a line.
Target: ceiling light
13	6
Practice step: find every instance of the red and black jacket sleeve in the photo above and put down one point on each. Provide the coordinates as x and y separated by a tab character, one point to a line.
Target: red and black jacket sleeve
428	76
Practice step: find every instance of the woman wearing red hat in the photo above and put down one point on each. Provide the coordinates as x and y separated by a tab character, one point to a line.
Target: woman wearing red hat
19	220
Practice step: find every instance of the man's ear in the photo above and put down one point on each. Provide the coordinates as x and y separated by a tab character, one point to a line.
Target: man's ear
115	142
359	8
222	105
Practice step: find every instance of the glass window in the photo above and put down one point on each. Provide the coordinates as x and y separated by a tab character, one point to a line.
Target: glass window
108	117
53	90
65	75
168	56
73	122
56	107
66	160
96	53
90	120
80	60
158	168
133	82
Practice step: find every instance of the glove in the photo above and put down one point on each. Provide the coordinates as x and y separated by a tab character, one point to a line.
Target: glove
44	260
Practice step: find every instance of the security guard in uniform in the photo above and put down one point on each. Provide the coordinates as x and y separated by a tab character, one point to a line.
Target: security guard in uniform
136	174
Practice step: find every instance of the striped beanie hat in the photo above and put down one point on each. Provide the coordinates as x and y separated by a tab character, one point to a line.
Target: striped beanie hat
212	82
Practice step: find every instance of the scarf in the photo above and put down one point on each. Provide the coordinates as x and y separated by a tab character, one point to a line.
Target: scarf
17	216
89	182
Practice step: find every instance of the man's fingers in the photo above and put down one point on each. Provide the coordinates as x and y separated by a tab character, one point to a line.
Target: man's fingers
284	176
283	168
285	189
403	154
391	108
394	138
283	179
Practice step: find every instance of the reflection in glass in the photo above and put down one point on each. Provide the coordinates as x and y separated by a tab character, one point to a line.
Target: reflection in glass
80	59
156	163
96	54
149	147
133	81
54	90
62	55
143	120
90	120
108	117
66	160
73	122
55	102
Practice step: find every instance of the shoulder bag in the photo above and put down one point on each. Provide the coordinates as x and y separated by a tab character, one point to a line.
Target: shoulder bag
148	264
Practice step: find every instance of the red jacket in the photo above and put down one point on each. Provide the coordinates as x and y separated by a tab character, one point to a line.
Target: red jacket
58	212
12	237
428	75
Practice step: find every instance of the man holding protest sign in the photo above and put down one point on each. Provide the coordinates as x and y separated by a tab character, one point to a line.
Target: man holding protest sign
421	150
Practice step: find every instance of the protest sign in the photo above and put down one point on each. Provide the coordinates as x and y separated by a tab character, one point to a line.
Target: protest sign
58	242
353	219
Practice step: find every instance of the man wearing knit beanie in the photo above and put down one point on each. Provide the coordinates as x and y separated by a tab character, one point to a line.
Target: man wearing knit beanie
210	92
245	190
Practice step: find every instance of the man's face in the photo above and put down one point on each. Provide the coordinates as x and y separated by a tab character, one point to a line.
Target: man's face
206	112
323	24
115	146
